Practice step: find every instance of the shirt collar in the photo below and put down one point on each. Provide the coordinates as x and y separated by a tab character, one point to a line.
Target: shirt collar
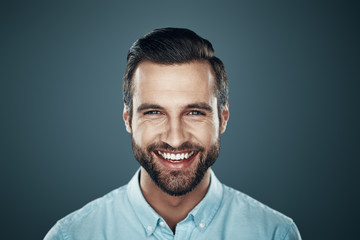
206	210
147	216
203	213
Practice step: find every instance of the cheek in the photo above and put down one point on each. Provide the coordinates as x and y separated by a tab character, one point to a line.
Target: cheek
206	133
145	133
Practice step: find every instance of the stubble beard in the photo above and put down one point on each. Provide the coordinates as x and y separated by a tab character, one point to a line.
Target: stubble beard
176	182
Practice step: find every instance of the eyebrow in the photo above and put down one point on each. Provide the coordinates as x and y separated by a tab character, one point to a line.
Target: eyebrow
146	106
200	105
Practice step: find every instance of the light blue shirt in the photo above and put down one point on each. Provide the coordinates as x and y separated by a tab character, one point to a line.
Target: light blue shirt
224	213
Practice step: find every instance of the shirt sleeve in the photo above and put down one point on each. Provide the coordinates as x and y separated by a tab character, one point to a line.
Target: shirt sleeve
55	233
293	233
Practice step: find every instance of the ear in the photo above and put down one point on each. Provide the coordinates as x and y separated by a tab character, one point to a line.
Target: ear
126	117
224	118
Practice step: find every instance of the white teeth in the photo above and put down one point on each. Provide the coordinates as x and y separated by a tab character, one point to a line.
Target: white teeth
172	157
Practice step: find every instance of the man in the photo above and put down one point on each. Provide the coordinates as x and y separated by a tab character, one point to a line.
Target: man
175	108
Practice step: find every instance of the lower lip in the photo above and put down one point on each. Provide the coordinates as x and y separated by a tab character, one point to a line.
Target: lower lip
177	165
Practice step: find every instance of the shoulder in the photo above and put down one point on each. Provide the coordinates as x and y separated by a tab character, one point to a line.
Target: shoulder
255	216
245	203
98	206
91	215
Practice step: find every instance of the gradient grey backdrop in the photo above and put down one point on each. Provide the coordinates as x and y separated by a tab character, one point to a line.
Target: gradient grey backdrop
293	137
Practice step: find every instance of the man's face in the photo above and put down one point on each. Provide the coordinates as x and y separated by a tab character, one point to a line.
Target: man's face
175	124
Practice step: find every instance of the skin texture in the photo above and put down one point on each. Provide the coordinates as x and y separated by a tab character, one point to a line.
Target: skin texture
175	111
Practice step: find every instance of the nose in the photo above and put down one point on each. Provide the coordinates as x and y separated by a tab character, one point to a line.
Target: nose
175	133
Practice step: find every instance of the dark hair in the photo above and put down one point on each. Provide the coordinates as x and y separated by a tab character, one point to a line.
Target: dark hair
171	46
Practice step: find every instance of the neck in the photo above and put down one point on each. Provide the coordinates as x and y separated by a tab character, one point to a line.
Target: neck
173	209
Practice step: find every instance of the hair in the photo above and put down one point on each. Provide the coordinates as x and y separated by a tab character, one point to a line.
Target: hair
173	46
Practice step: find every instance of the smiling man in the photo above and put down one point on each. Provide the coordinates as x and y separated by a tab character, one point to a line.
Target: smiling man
175	108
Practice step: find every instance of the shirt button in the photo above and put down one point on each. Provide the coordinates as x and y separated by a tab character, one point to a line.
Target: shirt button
149	228
202	225
162	224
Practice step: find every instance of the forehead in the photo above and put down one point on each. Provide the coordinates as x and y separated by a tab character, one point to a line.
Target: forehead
188	81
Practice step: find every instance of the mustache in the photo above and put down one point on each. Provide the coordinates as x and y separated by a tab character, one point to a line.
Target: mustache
186	146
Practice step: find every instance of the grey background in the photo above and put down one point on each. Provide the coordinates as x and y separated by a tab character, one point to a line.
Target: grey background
293	137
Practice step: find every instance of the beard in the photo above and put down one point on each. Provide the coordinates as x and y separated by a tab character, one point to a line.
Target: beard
176	182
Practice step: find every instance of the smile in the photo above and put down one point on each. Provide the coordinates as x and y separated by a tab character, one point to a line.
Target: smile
175	157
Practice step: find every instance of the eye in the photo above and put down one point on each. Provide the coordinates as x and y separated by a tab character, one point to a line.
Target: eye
152	112
196	113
